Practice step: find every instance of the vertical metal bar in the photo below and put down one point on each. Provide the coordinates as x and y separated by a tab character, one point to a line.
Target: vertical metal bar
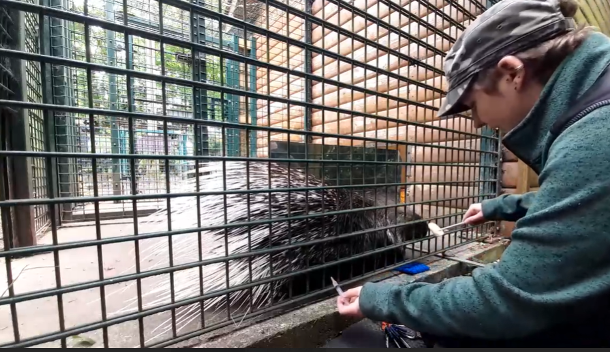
250	144
7	220
170	240
132	167
322	170
52	207
112	97
197	112
24	218
98	232
253	101
351	191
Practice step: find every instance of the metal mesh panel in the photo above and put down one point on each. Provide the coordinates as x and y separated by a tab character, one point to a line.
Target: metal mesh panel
109	91
36	124
218	161
8	86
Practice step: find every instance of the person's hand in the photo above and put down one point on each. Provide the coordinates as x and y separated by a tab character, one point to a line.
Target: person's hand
349	303
474	215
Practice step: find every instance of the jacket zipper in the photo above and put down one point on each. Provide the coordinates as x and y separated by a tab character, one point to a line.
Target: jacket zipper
585	112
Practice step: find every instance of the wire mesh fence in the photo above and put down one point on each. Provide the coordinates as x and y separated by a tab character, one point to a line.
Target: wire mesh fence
201	164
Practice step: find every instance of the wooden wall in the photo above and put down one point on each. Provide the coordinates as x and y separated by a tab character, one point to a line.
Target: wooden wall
422	26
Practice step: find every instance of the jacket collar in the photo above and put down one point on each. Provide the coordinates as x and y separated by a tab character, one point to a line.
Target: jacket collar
531	139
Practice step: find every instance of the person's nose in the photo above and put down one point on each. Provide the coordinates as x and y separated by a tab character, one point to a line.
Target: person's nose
477	123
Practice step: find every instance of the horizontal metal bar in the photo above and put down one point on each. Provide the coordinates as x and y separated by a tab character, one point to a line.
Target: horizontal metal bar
396	7
300	300
24	153
59	200
66	15
368	18
184	82
463	9
463	261
224	259
387	25
380	23
230	55
81	244
105	112
442	14
196	299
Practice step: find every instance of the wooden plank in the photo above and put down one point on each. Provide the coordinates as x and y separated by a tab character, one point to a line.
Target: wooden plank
282	114
347	22
506	228
358	125
329	14
358	50
453	196
409	113
428	134
510	176
606	11
380	83
460	176
597	14
523	177
508	156
445	155
406	113
372	103
443	216
329	42
379	59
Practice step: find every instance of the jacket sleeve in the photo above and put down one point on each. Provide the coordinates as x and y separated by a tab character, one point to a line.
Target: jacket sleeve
510	207
556	264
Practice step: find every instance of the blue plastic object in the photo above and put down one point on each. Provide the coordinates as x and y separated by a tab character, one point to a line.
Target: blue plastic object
413	268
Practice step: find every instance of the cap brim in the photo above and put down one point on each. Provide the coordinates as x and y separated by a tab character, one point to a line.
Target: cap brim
452	104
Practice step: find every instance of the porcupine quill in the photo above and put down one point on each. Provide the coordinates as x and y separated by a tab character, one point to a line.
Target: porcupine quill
264	206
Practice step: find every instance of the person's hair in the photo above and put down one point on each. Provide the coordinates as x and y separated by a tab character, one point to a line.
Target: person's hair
541	61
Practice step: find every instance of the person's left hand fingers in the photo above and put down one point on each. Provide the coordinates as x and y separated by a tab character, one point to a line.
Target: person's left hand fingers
352	292
349	306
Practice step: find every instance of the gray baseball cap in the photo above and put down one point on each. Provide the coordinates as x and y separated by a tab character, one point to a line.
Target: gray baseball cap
509	27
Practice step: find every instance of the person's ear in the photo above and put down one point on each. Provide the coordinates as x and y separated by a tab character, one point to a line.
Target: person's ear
513	71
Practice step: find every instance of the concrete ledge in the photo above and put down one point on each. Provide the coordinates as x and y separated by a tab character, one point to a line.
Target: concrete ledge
314	325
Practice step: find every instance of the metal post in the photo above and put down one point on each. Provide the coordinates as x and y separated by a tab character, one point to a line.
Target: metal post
49	123
308	69
25	231
112	93
64	122
200	104
233	100
253	120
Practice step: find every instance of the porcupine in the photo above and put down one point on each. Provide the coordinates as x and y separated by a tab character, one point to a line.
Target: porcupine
325	204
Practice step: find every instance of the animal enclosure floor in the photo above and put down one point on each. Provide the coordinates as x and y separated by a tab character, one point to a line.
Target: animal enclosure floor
365	334
36	273
111	209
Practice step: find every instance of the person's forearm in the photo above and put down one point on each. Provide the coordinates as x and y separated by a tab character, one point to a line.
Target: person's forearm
511	207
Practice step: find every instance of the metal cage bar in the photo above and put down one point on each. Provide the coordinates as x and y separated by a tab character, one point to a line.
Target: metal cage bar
209	162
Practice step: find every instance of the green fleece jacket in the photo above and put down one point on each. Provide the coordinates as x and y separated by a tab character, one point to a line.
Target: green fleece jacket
555	275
